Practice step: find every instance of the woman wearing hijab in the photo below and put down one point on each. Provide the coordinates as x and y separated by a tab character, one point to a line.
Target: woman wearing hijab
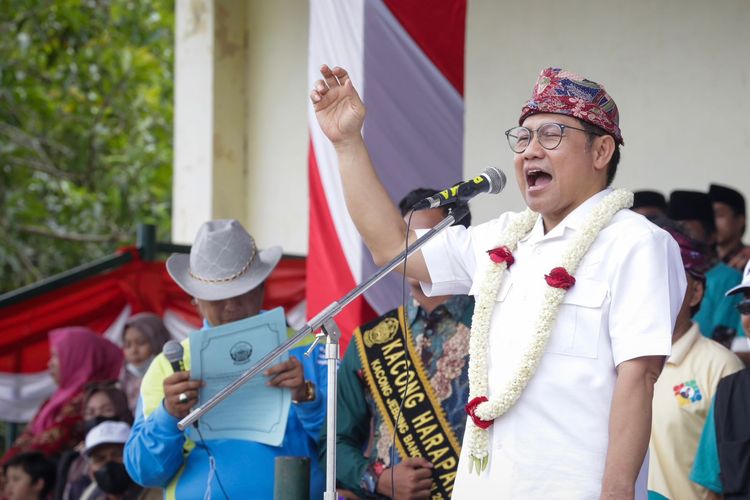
143	338
78	356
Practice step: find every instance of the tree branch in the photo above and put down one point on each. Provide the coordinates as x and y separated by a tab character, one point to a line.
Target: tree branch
25	262
84	238
41	167
25	139
106	102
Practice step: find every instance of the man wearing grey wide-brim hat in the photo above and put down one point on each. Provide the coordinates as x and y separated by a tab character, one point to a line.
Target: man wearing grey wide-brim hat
225	274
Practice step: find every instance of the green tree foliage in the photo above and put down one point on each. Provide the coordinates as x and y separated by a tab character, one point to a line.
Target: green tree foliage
85	130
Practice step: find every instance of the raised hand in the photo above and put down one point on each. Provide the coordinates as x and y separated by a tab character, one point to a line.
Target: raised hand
337	105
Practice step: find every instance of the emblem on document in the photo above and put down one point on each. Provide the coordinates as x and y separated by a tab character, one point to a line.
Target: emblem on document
241	352
382	332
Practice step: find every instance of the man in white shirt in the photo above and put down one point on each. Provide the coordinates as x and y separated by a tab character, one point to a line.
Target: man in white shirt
580	426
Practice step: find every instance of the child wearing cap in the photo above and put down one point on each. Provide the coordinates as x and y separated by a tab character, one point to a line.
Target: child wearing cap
724	449
104	447
29	476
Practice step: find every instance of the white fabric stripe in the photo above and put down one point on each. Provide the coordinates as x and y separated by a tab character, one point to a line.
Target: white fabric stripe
336	39
114	332
22	394
178	327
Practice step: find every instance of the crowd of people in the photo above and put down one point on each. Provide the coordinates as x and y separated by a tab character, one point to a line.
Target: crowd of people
574	350
71	449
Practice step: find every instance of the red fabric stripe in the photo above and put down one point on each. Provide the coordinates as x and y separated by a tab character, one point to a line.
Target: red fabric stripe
439	29
328	274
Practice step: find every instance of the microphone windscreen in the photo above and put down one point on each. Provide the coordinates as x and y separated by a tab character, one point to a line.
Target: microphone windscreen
173	351
497	179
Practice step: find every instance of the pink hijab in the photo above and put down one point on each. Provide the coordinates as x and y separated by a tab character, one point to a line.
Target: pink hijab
84	357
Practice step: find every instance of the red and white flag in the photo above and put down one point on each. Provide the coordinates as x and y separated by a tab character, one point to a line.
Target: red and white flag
406	59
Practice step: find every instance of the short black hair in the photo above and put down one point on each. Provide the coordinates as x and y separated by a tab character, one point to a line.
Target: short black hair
594	131
38	466
416	195
685	205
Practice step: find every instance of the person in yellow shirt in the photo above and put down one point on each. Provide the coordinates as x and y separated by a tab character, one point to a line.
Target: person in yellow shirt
683	392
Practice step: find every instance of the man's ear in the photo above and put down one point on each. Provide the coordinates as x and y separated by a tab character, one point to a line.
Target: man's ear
37	486
197	306
259	293
698	290
603	148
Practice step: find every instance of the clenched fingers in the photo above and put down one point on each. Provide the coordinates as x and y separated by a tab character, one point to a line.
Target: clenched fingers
180	393
286	374
417	462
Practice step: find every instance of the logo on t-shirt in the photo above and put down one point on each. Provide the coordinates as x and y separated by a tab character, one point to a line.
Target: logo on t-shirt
687	393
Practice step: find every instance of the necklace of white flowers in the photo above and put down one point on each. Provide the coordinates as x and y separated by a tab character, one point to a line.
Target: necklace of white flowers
482	410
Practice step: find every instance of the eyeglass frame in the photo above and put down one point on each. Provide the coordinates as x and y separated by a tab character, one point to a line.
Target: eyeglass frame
532	133
742	305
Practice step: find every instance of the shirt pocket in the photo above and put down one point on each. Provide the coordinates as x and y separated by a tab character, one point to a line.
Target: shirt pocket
578	325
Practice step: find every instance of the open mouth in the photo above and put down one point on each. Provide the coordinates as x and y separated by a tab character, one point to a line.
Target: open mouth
537	178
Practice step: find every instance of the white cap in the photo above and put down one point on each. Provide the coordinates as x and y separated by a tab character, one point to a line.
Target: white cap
745	284
107	433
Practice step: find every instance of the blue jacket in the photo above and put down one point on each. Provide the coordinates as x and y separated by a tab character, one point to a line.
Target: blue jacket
159	454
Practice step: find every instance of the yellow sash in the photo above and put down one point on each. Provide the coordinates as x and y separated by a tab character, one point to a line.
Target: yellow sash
395	373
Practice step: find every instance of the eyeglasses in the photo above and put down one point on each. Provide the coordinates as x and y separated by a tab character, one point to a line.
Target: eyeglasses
744	307
549	135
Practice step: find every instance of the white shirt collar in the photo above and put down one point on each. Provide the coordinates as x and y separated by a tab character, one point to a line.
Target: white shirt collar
574	220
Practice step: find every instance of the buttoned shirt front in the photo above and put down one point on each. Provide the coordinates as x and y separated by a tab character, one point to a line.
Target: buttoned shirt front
682	398
629	287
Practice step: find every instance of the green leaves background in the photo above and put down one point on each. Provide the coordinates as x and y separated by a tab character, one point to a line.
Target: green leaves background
85	130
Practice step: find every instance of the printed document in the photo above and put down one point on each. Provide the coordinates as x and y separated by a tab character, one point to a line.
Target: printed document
256	411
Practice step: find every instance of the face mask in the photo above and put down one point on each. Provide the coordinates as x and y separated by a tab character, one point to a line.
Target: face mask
93	422
113	478
139	370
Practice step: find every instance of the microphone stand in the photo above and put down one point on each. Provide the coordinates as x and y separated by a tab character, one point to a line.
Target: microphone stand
323	320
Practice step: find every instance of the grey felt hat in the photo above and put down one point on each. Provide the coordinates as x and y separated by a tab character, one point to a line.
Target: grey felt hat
224	262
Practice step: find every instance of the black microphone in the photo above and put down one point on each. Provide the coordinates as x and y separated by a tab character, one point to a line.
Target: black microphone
174	351
492	181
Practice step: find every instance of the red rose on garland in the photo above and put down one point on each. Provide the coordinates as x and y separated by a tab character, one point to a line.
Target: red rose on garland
471	408
559	278
500	255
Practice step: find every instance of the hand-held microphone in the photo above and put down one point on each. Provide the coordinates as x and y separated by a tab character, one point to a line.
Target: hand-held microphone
492	181
174	351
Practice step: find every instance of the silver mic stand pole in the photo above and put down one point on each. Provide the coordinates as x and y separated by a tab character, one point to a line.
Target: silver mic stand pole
324	320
